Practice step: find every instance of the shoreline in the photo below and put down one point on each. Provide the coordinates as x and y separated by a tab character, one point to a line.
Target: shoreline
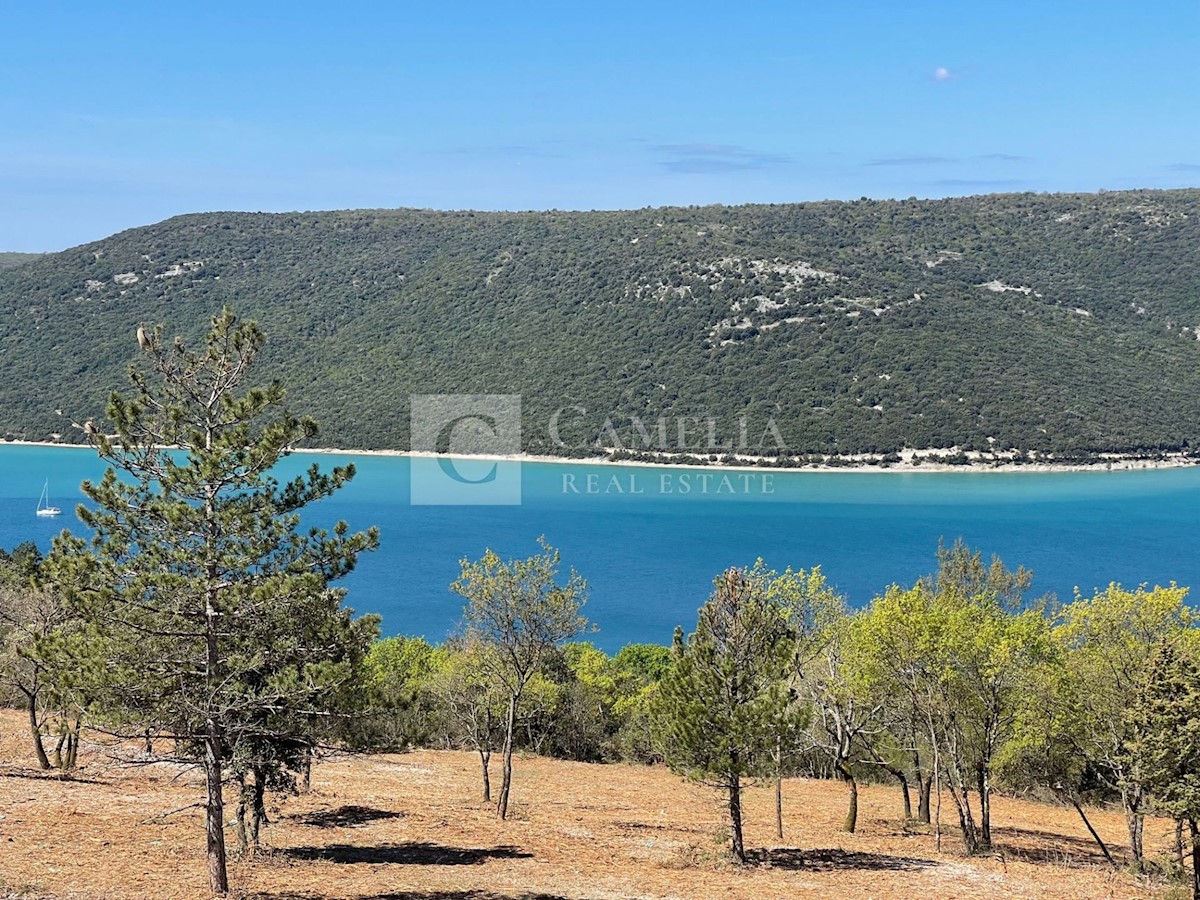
929	463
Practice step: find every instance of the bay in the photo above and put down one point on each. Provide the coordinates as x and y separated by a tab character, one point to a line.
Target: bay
650	550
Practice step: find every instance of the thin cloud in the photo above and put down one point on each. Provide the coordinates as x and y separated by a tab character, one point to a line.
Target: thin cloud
942	74
710	159
1183	167
911	161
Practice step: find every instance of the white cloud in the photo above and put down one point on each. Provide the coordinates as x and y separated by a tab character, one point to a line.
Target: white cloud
941	73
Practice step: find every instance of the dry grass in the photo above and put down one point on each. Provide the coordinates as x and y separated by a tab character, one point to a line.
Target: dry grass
410	827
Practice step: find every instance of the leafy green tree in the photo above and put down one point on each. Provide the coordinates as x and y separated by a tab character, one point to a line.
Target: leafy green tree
520	612
1107	640
1165	743
964	663
468	703
214	603
721	703
820	696
1043	756
397	671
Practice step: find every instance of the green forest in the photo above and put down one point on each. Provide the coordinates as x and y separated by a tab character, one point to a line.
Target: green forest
1065	324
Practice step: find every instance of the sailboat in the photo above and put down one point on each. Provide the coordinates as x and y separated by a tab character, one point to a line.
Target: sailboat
44	508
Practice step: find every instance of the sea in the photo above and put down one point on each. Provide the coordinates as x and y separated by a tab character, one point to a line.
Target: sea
649	540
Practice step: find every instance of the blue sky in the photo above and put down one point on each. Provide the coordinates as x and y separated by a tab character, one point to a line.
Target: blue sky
117	115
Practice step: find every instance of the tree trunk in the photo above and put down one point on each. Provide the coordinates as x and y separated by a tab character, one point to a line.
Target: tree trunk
779	788
258	809
985	808
485	757
39	749
847	775
72	746
1194	834
239	832
62	740
779	807
1092	831
1134	824
506	770
306	771
924	788
735	818
1179	862
218	875
966	821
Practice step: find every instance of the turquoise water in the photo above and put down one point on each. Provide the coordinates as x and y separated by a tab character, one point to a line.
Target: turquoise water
650	557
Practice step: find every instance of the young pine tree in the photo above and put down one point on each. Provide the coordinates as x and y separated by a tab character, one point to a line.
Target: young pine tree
720	706
220	629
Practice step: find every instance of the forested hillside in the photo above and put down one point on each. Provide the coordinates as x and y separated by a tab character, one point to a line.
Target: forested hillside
8	260
1062	323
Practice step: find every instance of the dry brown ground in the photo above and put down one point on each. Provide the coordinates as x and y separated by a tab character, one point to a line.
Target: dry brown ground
410	827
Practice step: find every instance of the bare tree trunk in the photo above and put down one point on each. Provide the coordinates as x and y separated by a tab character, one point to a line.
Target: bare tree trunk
985	808
485	758
847	775
1092	831
258	809
735	818
72	745
39	749
242	845
779	787
1179	862
1195	835
1134	823
218	875
903	779
851	822
506	771
306	771
924	788
937	786
62	740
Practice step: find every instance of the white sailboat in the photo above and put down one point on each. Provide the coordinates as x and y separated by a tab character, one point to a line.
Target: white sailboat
44	508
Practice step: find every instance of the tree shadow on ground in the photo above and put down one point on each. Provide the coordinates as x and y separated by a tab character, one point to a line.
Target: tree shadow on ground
49	775
345	816
413	853
1052	848
837	860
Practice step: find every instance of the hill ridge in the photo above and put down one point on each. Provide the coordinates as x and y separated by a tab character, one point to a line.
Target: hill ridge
1063	323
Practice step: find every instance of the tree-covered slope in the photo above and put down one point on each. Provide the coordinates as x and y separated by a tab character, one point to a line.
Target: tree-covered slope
1051	322
8	260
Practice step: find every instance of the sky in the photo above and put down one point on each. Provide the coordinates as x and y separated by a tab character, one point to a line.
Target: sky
123	114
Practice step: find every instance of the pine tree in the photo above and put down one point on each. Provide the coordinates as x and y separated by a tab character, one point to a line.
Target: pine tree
720	706
220	628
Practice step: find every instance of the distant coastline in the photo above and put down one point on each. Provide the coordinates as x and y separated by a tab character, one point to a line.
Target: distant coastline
908	461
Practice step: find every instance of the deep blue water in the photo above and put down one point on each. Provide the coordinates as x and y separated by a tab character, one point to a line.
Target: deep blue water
650	557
